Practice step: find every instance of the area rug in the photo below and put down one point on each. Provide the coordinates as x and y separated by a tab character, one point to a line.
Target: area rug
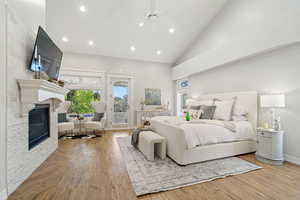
162	175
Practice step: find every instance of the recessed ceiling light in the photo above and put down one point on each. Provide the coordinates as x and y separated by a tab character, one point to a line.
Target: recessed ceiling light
132	48
141	24
171	30
158	52
91	43
65	39
82	8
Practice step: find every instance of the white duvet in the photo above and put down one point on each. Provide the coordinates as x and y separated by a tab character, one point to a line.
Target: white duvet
205	132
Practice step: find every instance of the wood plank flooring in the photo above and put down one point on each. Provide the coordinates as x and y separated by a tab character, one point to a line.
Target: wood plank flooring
94	170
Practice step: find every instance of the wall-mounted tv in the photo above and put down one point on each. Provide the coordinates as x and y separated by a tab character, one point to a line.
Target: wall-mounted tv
46	56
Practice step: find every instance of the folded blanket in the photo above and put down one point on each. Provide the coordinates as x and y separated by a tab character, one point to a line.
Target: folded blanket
226	124
135	136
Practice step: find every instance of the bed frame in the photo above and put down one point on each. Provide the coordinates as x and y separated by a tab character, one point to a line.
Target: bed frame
176	145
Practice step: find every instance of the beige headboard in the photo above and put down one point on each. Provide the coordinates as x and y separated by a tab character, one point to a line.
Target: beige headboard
248	99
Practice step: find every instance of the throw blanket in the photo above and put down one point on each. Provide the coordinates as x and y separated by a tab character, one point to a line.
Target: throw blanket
135	136
214	132
225	124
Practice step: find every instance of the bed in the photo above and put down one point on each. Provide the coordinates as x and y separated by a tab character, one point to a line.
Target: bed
200	141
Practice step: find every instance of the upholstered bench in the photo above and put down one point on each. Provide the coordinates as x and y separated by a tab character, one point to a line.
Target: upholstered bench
151	143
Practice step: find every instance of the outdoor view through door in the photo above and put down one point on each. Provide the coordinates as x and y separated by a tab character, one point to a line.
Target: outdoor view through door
120	106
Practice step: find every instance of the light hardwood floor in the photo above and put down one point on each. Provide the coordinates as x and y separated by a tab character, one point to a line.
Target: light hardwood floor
94	170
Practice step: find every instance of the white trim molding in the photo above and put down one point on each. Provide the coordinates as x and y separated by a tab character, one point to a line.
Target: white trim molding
81	72
36	91
292	159
3	194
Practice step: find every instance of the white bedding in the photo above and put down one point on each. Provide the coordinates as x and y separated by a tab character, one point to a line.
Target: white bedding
206	132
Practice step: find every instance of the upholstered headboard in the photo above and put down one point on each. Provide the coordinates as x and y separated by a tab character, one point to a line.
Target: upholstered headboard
246	99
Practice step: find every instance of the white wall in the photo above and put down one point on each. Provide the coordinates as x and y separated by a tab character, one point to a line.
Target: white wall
241	29
273	72
23	19
147	74
2	100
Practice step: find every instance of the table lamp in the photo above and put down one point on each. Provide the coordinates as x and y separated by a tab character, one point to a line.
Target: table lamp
273	101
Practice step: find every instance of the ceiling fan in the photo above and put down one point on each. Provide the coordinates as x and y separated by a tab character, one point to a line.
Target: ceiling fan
153	12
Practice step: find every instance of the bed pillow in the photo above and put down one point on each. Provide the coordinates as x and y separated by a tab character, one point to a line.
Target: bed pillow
195	107
207	112
194	102
224	110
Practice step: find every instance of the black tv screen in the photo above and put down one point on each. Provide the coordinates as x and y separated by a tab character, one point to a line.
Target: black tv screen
46	55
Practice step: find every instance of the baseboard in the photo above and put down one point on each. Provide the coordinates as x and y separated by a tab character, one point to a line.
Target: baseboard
3	195
292	159
118	129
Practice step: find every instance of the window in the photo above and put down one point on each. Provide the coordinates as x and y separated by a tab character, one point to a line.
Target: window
81	100
183	101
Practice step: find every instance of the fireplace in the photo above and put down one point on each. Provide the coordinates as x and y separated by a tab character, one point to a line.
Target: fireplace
39	124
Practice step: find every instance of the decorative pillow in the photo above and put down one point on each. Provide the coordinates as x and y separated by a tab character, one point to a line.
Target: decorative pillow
224	110
207	112
62	117
195	107
193	102
195	114
98	116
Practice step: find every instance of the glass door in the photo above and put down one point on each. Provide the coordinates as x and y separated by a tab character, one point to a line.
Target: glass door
120	107
181	103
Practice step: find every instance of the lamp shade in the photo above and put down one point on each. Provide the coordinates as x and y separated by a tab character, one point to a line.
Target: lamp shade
272	100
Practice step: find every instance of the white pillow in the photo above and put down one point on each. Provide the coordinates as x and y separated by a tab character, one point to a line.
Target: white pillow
223	110
198	103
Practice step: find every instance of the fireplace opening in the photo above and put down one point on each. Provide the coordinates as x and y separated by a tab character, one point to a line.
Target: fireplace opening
39	124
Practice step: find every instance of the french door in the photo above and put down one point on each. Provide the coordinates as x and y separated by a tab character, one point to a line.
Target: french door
120	101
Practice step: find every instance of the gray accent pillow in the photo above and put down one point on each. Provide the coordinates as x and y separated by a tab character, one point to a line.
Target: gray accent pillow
62	117
195	107
207	112
98	116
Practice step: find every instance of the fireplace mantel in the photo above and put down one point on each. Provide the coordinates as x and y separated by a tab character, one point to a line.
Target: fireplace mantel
36	91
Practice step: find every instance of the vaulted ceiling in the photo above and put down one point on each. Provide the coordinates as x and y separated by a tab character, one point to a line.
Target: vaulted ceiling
114	27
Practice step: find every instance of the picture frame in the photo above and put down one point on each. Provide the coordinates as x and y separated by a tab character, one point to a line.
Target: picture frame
153	97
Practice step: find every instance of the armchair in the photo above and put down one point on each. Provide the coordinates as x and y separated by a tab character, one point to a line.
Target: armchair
64	125
98	123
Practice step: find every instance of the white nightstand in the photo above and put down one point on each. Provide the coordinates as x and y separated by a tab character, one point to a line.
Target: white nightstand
270	146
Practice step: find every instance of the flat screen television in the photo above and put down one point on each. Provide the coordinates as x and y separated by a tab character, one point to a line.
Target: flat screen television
46	56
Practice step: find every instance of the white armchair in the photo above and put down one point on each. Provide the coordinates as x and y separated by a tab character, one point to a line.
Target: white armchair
64	125
98	124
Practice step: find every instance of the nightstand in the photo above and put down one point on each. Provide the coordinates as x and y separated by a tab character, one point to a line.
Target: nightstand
270	146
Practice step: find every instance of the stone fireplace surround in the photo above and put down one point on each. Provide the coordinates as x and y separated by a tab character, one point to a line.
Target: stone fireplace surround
36	91
22	162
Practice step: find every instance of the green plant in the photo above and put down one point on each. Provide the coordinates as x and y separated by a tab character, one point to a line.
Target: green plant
81	100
